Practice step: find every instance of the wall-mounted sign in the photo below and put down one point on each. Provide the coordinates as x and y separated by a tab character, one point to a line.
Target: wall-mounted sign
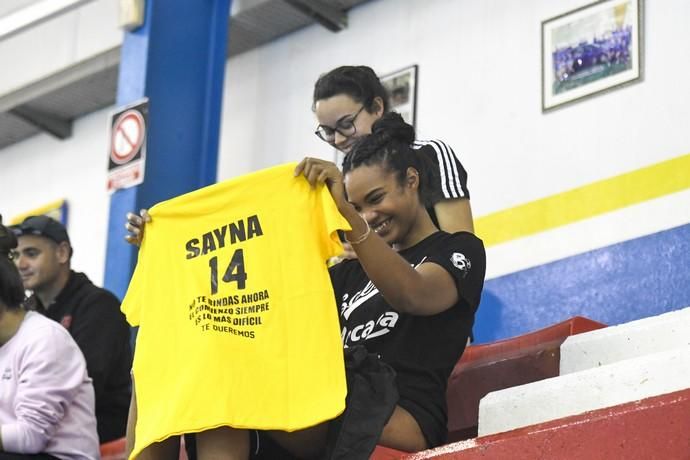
127	146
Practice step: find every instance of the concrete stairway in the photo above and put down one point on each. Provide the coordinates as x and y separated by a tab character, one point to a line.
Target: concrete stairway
599	369
621	392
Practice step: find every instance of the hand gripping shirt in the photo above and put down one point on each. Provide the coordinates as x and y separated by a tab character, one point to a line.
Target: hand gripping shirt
236	315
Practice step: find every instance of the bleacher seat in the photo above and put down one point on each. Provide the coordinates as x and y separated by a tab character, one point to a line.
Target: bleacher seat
651	428
626	341
504	364
498	365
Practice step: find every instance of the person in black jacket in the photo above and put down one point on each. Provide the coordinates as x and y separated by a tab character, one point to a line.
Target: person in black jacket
91	315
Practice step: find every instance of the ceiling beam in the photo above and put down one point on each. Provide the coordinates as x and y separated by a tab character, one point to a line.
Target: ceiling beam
109	59
48	122
325	14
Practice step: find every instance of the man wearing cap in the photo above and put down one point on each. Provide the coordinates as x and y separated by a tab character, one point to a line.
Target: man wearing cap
91	315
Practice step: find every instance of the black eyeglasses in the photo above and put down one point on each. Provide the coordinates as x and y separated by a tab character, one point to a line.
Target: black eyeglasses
346	127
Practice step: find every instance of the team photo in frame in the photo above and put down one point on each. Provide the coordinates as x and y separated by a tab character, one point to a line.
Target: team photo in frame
590	50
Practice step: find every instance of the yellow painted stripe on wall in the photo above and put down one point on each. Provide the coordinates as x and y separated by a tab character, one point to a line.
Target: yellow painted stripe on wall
587	201
53	209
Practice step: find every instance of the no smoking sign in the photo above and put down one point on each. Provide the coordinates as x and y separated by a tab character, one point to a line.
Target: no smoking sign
128	136
127	146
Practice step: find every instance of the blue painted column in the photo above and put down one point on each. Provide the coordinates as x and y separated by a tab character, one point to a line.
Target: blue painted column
177	60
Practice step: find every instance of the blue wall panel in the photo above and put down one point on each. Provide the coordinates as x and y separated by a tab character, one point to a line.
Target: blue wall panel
620	283
177	60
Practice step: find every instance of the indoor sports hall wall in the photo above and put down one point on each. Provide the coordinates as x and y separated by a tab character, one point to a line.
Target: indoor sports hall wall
557	259
43	169
584	210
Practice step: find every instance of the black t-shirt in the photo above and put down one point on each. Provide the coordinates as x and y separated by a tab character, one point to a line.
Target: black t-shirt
422	349
448	176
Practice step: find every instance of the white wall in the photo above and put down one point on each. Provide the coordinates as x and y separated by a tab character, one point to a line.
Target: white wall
44	169
479	89
58	43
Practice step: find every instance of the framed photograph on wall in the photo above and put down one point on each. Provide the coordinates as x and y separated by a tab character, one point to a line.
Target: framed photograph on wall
402	89
589	50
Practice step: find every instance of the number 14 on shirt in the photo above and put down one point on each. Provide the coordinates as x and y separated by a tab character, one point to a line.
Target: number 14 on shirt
234	271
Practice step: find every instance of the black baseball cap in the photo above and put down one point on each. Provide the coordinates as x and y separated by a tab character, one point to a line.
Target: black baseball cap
42	226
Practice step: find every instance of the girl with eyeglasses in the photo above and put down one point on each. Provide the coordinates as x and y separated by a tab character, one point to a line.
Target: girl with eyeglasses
349	99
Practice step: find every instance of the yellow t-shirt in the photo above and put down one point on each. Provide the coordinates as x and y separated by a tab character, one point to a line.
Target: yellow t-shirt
236	313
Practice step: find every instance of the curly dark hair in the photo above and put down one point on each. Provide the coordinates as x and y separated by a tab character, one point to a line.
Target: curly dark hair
390	145
11	287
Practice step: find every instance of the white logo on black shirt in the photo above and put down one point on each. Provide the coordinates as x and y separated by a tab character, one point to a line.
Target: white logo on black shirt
367	327
461	262
371	329
358	299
